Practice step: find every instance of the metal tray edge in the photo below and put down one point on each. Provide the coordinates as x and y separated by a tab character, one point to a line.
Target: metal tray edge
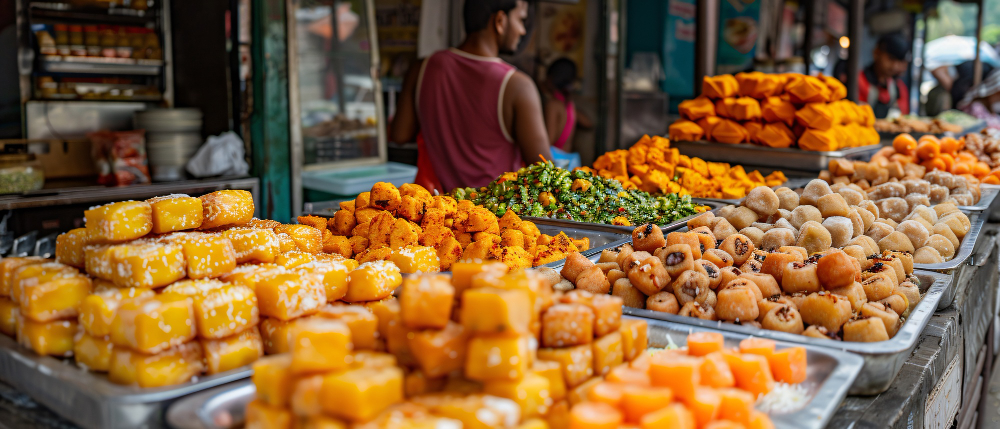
965	248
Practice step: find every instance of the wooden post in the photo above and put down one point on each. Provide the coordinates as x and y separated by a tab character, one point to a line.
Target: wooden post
706	41
855	25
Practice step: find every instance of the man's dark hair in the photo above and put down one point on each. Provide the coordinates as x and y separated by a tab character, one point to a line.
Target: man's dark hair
477	13
895	45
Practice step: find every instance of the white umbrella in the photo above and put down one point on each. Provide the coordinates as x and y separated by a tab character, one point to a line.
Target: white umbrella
954	50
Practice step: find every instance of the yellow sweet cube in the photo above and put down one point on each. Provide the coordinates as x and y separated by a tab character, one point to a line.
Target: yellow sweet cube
175	213
8	316
491	310
253	245
305	400
206	255
97	310
100	260
248	275
220	309
497	358
537	423
475	411
53	338
320	422
552	371
69	247
294	259
397	342
530	392
169	367
417	383
54	297
119	222
634	338
440	352
331	274
416	259
224	208
359	395
372	281
306	238
154	324
577	363
273	377
370	359
33	274
320	344
260	415
148	265
361	322
607	351
426	301
232	352
7	268
274	334
285	243
463	272
92	353
289	296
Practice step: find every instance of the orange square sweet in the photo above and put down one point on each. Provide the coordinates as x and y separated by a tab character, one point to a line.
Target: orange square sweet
607	352
497	358
577	363
288	296
220	309
260	415
359	395
224	208
8	316
294	259
119	222
172	366
57	296
491	310
53	338
253	245
99	260
361	322
320	345
248	275
463	272
372	281
634	338
206	255
273	377
306	238
232	352
552	371
426	301
69	247
531	393
440	352
331	274
148	265
274	334
7	268
154	324
305	400
33	274
92	353
416	259
175	213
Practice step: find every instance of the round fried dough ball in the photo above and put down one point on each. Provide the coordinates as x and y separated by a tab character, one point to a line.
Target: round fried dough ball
762	200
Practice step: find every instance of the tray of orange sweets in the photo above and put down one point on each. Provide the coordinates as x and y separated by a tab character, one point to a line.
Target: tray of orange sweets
538	358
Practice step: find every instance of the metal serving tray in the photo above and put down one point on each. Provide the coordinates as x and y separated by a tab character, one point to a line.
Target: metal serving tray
987	193
620	229
964	250
829	374
792	183
791	158
88	399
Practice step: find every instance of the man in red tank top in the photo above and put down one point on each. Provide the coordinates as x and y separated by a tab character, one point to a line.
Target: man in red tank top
478	115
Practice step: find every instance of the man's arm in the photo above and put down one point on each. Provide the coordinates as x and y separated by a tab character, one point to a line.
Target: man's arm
405	124
528	126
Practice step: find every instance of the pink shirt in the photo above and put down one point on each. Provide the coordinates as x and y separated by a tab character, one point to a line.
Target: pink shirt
460	108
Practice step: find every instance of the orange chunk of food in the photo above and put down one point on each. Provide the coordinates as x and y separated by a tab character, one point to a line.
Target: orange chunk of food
473	411
579	393
52	296
119	222
594	415
674	416
705	405
99	261
220	309
724	424
736	405
715	371
289	296
370	359
558	417
274	334
306	238
439	352
680	373
634	338
531	393
552	371
359	395
92	353
294	259
361	322
253	245
788	365
759	420
607	353
757	346
463	272
175	213
232	352
97	310
272	375
372	281
491	310
577	363
260	415
224	208
206	255
426	301
752	372
497	358
627	375
640	401
53	338
567	325
154	324
172	366
148	265
331	274
8	316
608	392
703	343
416	259
7	268
417	383
306	399
320	345
69	247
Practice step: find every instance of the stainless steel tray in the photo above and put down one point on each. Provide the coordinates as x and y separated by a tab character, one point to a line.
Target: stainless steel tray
791	183
88	399
987	193
829	374
791	158
964	250
882	360
620	229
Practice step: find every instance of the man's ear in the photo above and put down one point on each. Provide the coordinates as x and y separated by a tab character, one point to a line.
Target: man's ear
500	22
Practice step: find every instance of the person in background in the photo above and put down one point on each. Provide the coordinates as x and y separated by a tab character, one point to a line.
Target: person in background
879	84
561	117
479	117
983	100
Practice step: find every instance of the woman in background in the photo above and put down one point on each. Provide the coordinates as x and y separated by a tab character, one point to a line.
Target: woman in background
561	117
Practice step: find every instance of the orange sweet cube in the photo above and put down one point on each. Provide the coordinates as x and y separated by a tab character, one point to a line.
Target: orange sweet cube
594	415
319	345
331	274
232	352
759	420
674	416
531	393
33	274
567	325
172	366
306	238
294	259
8	316
370	359
758	346
497	358
580	393
206	255
175	213
273	377
463	272
715	371
359	395
788	365
577	363
416	259
705	405
253	245
154	324
473	411
97	310
274	334
224	208
260	415
639	401
223	310
148	265
607	313
305	400
288	296
736	405
69	247
608	392
752	372
552	371
7	268
119	222
92	353
624	374
99	260
53	297
491	310
417	383
53	338
607	353
558	416
372	281
249	275
440	352
634	338
703	343
680	373
361	322
426	301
